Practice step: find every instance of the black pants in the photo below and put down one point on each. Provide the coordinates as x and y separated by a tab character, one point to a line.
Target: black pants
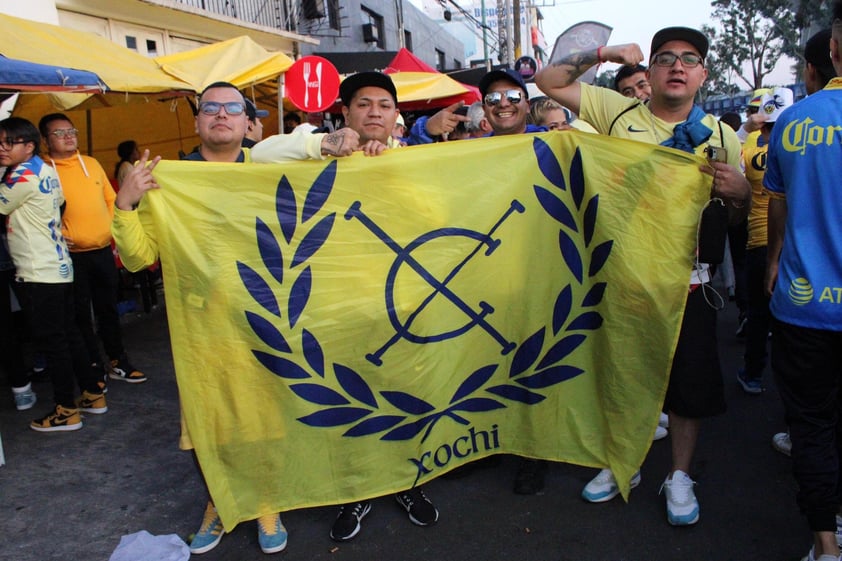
50	315
808	370
759	319
737	238
11	353
95	283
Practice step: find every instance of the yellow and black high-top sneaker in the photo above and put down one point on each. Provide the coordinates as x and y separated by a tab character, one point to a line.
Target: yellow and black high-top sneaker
61	419
92	403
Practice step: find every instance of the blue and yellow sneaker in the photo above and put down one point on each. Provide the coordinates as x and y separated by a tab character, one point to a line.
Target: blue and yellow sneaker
209	533
271	534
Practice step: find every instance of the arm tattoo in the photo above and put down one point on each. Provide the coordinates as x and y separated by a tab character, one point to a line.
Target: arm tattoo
333	143
576	64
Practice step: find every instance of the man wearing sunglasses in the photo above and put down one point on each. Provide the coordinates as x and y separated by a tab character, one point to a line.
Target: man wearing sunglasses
676	72
506	103
221	123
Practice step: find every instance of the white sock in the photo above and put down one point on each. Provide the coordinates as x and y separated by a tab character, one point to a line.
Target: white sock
25	388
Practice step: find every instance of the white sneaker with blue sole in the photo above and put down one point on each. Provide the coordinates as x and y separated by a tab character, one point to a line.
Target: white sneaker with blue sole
682	506
604	487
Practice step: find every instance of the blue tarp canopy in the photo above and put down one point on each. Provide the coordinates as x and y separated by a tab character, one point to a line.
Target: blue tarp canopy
19	75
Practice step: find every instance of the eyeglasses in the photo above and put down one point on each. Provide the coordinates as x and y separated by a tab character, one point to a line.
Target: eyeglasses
213	107
494	98
61	133
688	60
7	144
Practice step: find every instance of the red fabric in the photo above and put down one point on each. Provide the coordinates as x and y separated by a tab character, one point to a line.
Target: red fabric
405	61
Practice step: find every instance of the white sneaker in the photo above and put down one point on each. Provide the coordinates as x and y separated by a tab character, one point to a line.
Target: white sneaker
25	398
782	443
811	556
664	420
682	506
660	433
604	487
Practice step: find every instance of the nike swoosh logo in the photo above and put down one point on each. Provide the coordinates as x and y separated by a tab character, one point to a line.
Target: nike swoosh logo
632	129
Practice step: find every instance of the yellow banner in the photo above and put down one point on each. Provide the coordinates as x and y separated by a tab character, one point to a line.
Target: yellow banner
349	328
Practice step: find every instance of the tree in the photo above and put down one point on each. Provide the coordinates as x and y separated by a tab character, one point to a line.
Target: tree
606	79
813	12
720	77
752	34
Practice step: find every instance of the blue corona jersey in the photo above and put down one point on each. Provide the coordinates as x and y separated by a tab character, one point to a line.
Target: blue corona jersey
804	166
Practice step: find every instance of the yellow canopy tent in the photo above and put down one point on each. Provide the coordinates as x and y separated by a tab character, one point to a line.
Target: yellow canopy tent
130	77
240	61
151	107
417	90
122	69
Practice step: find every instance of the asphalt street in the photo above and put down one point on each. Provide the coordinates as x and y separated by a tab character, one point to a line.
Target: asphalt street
71	496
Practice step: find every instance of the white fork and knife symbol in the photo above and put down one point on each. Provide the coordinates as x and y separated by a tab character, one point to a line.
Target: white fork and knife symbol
317	84
306	84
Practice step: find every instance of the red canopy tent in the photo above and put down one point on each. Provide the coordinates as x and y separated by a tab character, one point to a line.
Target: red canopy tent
405	61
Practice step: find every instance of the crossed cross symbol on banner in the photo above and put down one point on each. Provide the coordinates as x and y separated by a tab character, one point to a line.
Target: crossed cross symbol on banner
440	287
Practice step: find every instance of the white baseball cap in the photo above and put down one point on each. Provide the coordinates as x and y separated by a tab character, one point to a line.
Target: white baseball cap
774	103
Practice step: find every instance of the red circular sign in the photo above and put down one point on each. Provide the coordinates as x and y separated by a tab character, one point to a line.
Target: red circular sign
312	84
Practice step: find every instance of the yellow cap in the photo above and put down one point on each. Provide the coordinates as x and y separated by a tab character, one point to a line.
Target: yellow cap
757	97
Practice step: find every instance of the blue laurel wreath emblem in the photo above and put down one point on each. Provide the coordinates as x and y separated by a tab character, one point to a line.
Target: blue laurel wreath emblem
539	362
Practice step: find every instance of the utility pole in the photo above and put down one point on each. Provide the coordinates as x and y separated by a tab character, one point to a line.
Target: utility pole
401	34
515	19
485	38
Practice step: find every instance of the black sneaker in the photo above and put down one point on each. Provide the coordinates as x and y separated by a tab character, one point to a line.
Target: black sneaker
122	369
530	477
347	524
420	509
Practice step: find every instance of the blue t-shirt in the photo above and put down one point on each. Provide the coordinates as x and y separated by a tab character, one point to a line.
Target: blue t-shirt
804	164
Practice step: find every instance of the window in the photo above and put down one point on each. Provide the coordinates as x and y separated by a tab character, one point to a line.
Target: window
333	14
373	22
147	41
457	64
407	40
440	64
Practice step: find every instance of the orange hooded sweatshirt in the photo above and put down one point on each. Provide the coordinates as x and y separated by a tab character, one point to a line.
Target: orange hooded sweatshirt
86	223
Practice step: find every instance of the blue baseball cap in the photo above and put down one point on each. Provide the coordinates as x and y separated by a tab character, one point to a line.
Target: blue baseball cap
508	75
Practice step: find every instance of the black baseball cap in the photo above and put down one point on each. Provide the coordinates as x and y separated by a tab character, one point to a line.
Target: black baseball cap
692	36
354	82
508	75
252	112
